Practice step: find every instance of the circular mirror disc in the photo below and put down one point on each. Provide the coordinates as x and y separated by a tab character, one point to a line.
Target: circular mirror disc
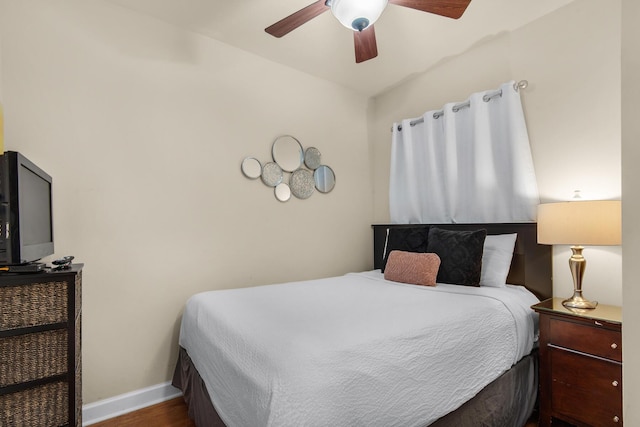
287	152
324	179
271	174
282	192
251	168
312	158
302	184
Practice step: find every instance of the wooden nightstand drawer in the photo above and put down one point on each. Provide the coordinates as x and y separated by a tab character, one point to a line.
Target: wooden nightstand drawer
580	365
590	339
585	388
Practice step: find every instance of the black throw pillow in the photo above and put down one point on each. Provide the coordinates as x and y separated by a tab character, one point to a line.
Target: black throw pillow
460	255
408	239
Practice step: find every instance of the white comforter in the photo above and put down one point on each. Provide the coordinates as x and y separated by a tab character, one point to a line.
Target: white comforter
354	350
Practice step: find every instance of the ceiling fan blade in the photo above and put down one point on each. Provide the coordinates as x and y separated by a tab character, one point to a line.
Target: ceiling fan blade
365	43
449	8
293	21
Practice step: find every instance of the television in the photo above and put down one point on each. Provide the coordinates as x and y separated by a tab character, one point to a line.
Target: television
26	225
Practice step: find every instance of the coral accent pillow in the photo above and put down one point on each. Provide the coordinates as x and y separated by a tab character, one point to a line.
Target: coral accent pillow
416	268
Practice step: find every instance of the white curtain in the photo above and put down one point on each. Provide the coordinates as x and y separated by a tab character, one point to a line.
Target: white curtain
468	163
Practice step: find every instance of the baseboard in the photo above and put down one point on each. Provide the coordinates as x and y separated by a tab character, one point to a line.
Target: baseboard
128	402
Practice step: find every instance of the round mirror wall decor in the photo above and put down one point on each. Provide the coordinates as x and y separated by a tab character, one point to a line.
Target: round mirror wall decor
324	179
302	184
271	174
282	192
251	168
312	158
293	171
287	152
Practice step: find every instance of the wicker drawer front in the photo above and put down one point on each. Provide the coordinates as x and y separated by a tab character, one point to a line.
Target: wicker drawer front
33	305
44	406
32	356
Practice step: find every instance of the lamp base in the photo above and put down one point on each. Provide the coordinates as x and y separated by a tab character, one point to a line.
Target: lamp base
577	264
576	301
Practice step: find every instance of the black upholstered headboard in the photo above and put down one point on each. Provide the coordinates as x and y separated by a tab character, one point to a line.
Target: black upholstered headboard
531	263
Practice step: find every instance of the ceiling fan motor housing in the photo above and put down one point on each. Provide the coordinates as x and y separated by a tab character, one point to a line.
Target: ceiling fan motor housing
357	14
360	24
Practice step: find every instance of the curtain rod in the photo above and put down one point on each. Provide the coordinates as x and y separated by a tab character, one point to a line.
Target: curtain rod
522	84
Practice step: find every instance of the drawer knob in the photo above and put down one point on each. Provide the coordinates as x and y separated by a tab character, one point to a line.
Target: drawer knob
614	383
614	346
616	419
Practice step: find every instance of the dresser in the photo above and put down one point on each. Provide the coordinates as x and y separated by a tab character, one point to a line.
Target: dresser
580	364
40	351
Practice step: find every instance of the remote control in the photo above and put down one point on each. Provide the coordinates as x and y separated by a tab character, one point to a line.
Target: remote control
64	260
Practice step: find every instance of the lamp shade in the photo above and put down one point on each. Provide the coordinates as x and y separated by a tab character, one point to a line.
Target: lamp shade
357	14
594	222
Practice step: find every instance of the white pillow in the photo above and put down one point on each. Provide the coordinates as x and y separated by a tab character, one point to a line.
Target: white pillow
496	259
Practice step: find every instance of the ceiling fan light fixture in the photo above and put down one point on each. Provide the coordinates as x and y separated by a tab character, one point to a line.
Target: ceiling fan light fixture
357	14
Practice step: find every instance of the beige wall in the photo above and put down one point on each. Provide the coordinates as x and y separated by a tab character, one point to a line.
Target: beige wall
143	127
631	208
0	70
571	59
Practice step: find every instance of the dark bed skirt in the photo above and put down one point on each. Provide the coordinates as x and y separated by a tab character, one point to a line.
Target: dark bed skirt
194	391
506	402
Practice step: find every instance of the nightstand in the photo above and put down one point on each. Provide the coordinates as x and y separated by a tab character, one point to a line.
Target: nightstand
580	364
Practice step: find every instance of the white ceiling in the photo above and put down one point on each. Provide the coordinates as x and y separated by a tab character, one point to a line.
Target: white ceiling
409	41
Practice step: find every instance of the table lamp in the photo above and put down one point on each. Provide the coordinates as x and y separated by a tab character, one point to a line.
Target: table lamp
594	222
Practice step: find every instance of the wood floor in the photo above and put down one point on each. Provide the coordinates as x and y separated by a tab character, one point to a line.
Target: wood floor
173	413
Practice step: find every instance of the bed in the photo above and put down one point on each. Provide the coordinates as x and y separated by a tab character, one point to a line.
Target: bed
363	350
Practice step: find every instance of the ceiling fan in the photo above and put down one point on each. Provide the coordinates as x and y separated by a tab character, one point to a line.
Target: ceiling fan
359	16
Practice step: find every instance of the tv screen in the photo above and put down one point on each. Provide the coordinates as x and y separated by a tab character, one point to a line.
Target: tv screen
27	214
35	208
